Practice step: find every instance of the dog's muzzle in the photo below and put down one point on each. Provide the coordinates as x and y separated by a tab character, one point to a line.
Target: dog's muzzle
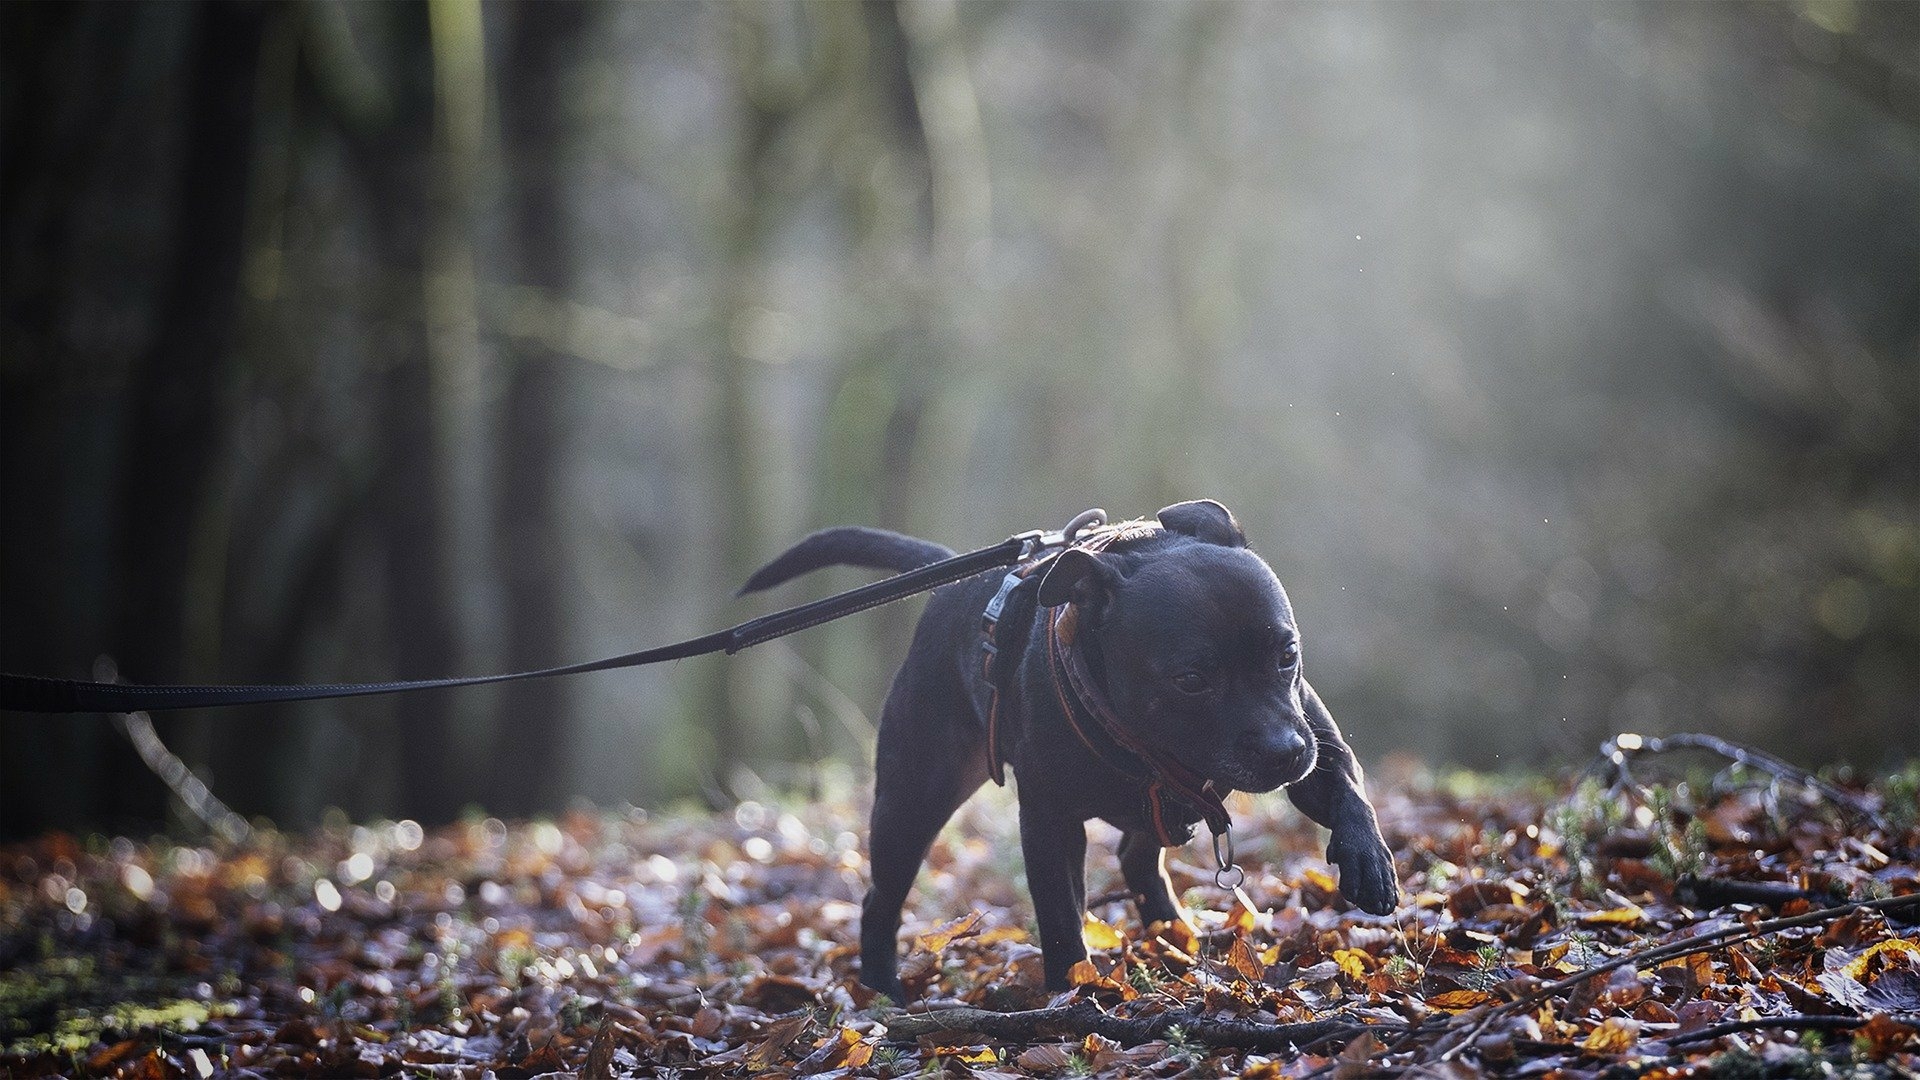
1269	758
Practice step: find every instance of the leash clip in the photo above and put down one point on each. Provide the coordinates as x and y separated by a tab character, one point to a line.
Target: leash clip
1227	873
1032	542
1035	541
1039	540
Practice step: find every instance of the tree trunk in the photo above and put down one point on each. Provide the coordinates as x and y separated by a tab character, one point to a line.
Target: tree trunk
534	728
393	164
66	63
176	421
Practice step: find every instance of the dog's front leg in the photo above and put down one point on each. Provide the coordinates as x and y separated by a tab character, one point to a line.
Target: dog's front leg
1054	843
1143	864
1331	796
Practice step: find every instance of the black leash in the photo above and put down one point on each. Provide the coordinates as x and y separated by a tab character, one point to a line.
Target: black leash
29	693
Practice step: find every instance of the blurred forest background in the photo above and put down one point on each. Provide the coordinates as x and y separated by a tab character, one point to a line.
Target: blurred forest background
1564	360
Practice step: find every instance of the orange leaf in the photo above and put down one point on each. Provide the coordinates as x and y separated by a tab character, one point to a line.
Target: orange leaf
1099	935
1886	1036
1177	934
1460	1000
845	1049
1620	916
1241	959
1863	966
968	1055
1353	961
947	933
1098	1049
1083	973
1615	1035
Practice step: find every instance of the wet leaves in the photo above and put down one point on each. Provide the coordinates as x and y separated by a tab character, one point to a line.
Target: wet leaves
617	946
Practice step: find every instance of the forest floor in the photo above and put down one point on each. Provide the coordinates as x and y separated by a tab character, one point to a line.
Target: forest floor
1729	923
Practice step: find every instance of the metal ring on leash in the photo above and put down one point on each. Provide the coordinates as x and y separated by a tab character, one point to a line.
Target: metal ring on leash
1227	873
1085	519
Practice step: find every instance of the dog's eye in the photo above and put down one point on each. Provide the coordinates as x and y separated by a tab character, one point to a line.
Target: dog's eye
1289	656
1191	682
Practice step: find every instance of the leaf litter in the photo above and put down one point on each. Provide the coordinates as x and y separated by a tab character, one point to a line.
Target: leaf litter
1695	928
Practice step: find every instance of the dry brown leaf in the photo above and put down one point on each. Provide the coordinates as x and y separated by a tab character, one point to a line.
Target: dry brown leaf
706	1022
1454	1001
1472	897
1875	958
1885	1036
1241	959
937	940
1624	915
772	1048
1047	1057
1355	1061
1614	1035
599	1065
973	1054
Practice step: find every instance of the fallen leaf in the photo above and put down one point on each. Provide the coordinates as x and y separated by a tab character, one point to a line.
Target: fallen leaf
772	1048
1454	1001
1355	1061
1470	898
937	940
1047	1057
599	1064
1099	935
1241	959
1888	953
1625	915
1353	961
845	1049
1614	1035
967	1055
1885	1036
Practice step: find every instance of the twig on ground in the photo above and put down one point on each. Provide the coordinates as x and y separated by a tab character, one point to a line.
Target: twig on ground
1796	1021
1615	752
1466	1034
1086	1018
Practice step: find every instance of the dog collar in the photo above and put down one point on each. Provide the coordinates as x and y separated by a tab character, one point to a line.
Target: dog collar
1081	698
1086	706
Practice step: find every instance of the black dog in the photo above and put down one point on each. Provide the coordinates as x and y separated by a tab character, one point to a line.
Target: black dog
1136	676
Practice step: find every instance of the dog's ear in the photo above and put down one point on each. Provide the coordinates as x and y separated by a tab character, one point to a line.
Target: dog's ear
1204	519
1078	577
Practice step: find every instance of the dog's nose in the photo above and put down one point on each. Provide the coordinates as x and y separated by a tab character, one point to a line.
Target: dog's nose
1283	748
1290	743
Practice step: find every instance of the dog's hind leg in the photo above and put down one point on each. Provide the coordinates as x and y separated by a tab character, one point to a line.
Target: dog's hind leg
1143	866
922	773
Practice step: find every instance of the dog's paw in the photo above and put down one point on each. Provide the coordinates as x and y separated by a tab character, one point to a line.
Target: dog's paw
1367	877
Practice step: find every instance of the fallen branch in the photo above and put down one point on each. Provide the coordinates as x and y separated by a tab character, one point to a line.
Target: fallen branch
1467	1033
1710	892
1085	1018
1616	751
1797	1022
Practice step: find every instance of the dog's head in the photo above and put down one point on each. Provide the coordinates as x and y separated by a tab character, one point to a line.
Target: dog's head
1195	642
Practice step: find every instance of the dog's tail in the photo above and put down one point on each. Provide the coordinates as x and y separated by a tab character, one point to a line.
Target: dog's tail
848	545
